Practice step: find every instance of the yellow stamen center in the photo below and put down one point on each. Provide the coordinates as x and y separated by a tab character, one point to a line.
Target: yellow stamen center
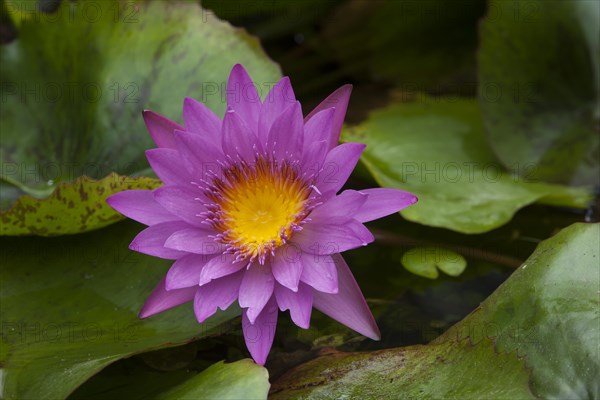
259	207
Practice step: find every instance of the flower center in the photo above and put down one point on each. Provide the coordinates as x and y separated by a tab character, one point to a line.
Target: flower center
258	207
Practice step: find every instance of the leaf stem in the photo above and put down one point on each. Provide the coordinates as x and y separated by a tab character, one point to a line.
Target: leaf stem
390	238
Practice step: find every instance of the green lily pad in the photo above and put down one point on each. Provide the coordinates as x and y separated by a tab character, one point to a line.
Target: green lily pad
436	149
539	71
239	380
69	308
425	261
75	83
457	371
73	207
538	331
548	312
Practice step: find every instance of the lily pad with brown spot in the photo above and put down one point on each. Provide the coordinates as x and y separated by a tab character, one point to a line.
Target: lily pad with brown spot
74	207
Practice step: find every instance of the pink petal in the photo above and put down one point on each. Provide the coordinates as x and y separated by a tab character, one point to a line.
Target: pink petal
166	163
200	119
200	154
260	334
220	293
287	266
382	202
338	99
161	129
181	201
280	97
194	240
243	97
335	235
140	206
152	239
299	304
319	126
161	299
338	166
313	157
348	306
319	272
345	205
237	138
361	232
286	136
221	265
256	289
185	272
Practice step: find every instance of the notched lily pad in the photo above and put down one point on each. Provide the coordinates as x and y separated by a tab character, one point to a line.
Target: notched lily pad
73	207
436	149
425	262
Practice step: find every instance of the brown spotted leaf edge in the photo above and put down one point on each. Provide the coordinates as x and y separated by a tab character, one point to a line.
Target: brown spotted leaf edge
73	207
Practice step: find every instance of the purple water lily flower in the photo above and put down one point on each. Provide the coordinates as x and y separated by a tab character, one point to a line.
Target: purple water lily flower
250	211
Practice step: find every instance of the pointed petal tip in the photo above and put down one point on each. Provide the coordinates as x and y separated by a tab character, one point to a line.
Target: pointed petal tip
259	337
188	102
251	314
346	87
302	325
203	280
259	361
307	326
149	114
110	200
375	334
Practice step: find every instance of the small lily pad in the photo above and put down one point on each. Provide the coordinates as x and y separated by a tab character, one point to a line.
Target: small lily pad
425	262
